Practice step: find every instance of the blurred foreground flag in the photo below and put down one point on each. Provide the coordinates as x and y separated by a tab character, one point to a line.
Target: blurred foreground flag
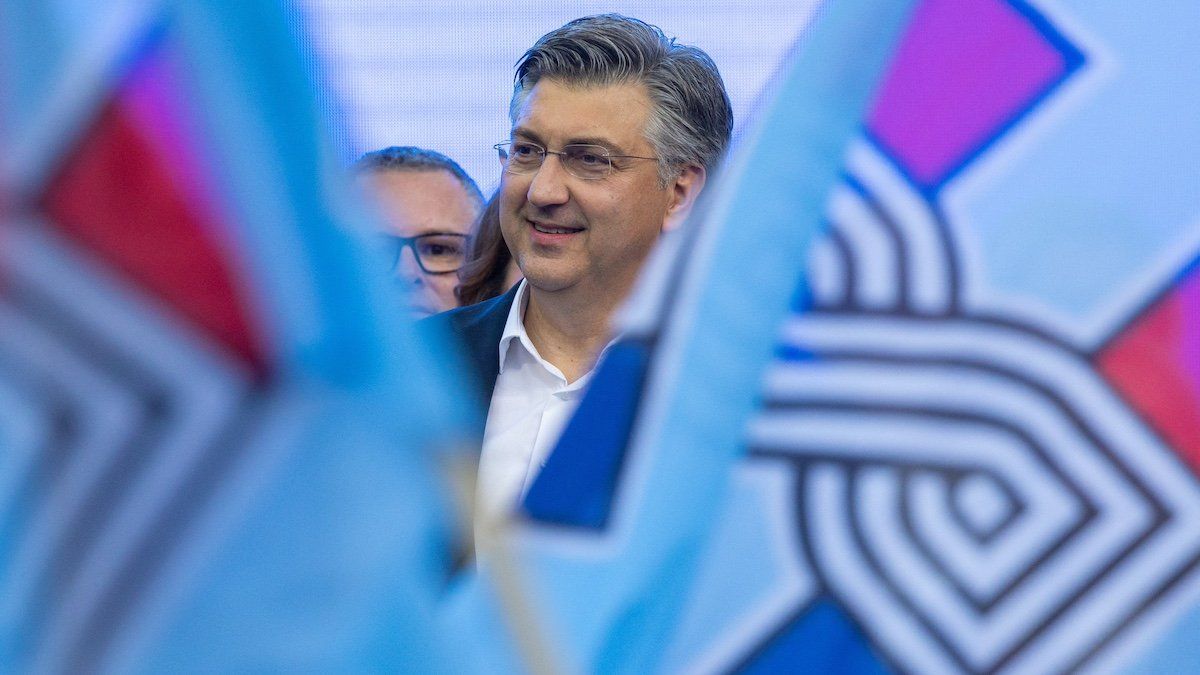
976	446
215	436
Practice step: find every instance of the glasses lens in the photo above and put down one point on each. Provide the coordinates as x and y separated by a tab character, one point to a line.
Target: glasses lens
441	252
524	157
586	161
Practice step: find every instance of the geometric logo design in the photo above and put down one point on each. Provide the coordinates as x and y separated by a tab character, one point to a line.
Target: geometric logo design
975	492
972	492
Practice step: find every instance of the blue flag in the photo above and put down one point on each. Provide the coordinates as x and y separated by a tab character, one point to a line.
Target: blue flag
220	438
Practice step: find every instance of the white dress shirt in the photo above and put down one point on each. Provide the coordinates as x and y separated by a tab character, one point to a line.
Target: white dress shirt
531	404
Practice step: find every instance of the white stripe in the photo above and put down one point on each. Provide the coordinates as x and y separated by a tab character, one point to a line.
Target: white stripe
928	268
876	260
827	273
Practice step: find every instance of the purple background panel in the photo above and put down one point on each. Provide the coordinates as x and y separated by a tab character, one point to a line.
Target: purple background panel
964	70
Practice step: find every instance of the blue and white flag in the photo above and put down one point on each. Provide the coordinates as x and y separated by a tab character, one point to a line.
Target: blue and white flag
218	434
976	445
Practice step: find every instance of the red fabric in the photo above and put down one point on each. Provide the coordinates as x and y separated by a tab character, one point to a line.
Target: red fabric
1149	364
116	198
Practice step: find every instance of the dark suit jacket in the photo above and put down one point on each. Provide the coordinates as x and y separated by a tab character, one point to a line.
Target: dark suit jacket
477	329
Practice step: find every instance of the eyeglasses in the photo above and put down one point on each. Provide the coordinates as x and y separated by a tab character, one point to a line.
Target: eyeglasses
436	252
589	162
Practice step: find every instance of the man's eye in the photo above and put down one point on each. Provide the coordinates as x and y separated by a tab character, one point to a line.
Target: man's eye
525	150
589	158
440	249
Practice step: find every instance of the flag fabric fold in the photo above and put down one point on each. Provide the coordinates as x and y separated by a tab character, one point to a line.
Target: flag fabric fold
225	440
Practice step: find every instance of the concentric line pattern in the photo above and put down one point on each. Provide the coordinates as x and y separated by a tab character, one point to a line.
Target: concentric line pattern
888	250
971	490
144	419
1096	517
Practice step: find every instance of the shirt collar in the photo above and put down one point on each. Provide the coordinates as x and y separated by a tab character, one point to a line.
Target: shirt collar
514	329
514	326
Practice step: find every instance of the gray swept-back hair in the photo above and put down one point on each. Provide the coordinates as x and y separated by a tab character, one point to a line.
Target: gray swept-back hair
410	158
691	120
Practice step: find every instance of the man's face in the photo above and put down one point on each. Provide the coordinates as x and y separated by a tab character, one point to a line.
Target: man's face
424	202
569	233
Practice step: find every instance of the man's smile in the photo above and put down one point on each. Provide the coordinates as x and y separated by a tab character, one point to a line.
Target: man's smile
544	231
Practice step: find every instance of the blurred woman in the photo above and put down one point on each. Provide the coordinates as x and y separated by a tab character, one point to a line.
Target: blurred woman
489	269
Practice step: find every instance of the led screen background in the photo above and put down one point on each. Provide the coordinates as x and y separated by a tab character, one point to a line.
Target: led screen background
439	75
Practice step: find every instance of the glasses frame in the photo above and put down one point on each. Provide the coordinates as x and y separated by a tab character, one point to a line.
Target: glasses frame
503	148
410	242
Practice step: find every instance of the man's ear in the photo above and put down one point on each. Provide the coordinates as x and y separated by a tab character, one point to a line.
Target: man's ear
685	189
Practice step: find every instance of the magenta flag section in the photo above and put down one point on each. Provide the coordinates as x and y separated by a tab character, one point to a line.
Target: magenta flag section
965	71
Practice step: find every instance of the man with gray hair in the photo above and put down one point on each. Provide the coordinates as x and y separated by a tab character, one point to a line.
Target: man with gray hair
615	129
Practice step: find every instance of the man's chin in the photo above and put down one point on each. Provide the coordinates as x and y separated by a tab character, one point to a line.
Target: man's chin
420	312
552	283
550	275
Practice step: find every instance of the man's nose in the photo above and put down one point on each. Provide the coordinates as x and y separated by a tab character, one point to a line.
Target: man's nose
549	184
